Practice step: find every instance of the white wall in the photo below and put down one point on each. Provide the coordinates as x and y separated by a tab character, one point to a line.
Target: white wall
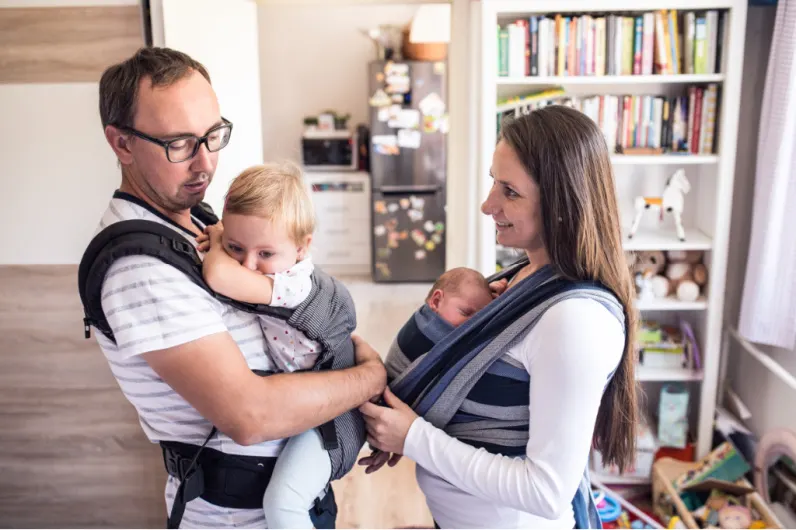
761	391
313	58
57	173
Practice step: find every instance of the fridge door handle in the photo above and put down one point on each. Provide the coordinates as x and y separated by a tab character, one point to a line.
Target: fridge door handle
389	190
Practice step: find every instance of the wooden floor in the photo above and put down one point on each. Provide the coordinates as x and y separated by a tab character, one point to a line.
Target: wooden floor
72	453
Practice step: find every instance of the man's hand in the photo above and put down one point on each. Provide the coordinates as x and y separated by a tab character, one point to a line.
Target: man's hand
366	356
498	287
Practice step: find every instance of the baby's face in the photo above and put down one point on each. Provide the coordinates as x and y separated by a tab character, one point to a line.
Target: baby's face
456	307
258	244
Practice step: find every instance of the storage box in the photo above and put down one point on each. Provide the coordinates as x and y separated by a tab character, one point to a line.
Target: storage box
667	502
646	447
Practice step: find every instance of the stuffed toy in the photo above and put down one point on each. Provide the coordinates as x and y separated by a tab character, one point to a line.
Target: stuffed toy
647	267
685	274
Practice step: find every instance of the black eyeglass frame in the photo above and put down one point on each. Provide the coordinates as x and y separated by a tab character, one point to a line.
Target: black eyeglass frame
199	140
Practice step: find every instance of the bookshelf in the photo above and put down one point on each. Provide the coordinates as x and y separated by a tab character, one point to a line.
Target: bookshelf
709	168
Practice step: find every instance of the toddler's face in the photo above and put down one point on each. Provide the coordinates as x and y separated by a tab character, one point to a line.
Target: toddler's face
457	306
260	245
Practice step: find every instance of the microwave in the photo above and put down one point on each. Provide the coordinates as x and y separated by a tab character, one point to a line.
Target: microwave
329	150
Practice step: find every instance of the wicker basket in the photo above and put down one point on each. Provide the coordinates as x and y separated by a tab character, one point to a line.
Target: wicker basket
666	501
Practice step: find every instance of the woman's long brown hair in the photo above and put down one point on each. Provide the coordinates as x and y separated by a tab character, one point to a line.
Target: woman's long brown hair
566	154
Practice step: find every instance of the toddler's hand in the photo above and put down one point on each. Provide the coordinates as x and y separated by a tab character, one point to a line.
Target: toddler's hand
498	287
211	237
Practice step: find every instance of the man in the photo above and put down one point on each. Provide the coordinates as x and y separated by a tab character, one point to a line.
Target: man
182	358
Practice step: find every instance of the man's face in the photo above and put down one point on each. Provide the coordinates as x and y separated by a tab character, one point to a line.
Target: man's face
187	107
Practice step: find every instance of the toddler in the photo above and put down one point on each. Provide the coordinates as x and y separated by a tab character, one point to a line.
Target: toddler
267	227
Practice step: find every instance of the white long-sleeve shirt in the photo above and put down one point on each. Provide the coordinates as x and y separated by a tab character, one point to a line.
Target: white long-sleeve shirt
569	354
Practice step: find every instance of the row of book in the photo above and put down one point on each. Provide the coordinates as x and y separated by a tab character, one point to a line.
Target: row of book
680	124
659	42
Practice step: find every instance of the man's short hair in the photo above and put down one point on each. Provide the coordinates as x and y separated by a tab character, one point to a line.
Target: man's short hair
118	88
451	281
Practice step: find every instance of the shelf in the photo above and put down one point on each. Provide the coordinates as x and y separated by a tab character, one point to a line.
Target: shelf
666	159
613	480
671	304
666	239
586	80
667	374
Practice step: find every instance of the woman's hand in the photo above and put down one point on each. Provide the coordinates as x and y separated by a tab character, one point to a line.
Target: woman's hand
498	287
211	237
377	459
388	426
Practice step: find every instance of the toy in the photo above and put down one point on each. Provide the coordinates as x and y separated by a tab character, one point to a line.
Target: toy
672	201
673	416
686	274
735	517
647	267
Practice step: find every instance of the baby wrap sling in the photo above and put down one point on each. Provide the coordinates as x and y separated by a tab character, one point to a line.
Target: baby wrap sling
462	381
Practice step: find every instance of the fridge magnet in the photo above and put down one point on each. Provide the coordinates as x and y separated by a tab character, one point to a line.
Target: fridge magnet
429	226
397	84
383	114
430	245
429	124
391	68
420	254
391	225
402	235
404	203
383	269
379	99
442	124
436	238
379	230
392	207
379	77
397	98
409	138
415	215
392	240
386	144
383	253
440	226
418	237
432	105
380	207
417	202
405	119
439	68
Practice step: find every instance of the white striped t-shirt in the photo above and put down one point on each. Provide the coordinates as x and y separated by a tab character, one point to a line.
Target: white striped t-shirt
151	306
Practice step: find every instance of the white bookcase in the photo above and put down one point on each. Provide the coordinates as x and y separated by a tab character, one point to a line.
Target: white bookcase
708	205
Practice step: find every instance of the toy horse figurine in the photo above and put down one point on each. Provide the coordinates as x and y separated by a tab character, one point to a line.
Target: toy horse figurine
671	201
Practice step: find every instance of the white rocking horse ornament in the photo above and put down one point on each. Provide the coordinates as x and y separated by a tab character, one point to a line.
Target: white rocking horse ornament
671	201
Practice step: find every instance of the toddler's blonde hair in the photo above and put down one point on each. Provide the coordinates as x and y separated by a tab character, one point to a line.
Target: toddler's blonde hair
274	192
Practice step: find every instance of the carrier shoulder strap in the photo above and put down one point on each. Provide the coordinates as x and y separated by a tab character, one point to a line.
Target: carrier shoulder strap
143	238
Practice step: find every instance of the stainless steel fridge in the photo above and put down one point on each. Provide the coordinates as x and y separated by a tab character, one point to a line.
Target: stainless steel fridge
408	156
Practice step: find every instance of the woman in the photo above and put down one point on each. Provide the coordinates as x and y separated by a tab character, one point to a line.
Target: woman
553	197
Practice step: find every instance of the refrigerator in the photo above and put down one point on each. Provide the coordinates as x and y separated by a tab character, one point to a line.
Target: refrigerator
408	127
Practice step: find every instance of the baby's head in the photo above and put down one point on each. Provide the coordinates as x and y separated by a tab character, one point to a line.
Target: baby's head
268	218
459	294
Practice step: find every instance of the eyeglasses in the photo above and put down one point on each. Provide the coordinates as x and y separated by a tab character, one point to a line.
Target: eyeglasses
184	148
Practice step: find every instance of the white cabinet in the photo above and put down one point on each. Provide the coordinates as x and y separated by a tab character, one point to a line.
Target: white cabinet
341	243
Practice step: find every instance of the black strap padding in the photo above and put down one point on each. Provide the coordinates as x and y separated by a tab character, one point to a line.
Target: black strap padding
148	238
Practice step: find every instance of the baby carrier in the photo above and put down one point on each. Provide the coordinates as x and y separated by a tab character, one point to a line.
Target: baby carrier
461	381
326	316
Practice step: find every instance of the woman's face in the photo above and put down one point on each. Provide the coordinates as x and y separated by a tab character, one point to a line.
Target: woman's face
514	201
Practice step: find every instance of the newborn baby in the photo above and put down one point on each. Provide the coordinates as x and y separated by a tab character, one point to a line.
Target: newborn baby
458	294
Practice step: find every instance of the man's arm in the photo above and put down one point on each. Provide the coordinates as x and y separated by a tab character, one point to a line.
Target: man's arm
211	374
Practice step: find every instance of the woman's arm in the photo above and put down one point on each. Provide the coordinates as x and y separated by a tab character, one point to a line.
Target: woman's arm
569	355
